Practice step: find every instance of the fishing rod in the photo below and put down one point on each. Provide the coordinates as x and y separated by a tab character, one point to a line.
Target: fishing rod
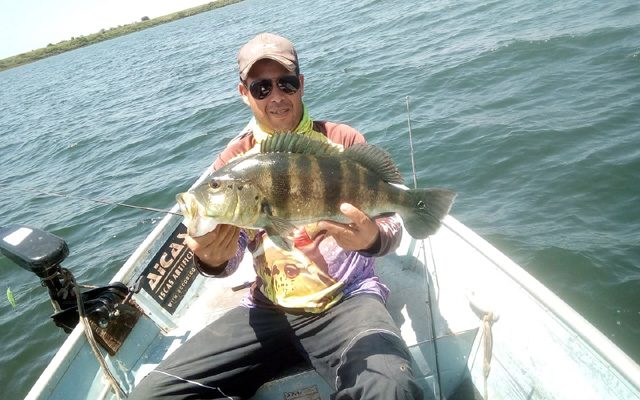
413	162
107	202
424	255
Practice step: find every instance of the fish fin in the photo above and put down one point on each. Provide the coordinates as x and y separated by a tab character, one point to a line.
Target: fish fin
368	155
427	209
279	229
279	232
296	143
281	226
376	160
280	241
278	225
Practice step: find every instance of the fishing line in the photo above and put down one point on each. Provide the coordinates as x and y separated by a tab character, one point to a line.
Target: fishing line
424	255
113	203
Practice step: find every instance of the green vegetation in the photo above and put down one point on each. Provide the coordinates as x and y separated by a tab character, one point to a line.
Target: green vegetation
106	34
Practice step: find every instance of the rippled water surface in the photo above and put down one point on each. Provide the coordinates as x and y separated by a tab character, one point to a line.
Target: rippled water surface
529	110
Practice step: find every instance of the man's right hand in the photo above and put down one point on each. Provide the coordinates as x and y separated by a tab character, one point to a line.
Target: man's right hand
216	247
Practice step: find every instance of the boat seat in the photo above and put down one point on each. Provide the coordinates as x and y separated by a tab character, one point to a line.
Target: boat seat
300	381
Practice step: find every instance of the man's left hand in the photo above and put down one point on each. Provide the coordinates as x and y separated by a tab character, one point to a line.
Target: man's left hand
361	234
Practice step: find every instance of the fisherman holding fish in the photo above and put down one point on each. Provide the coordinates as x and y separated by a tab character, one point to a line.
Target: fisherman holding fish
315	205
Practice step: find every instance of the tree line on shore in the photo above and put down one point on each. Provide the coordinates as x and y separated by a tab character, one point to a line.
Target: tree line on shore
106	34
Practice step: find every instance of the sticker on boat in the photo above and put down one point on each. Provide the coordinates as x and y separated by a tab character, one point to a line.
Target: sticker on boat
170	273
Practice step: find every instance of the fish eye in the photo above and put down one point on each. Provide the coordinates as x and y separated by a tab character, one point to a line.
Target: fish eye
213	184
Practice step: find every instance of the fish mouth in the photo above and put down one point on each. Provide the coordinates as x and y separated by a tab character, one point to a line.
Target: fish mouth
197	223
188	204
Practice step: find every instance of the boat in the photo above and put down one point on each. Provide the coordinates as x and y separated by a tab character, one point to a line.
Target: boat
478	325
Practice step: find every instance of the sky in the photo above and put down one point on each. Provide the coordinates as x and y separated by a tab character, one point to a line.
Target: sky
27	25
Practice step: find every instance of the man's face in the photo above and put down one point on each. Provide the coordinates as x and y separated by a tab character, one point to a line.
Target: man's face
278	112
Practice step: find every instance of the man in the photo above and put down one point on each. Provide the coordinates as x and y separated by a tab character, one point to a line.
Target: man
320	302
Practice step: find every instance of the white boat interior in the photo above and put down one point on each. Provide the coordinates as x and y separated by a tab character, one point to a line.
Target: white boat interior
478	326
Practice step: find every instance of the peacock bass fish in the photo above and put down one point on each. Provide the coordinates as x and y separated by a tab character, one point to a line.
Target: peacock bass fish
295	180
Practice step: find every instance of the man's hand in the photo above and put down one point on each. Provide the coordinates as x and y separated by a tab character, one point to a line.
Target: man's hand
361	234
216	247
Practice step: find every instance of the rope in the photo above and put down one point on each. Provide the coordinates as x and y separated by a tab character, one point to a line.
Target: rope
91	339
487	323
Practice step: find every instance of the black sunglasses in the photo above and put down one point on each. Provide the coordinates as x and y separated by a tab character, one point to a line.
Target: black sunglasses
261	89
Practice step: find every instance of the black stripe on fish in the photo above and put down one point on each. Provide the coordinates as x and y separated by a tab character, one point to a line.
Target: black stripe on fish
352	187
281	184
330	172
376	186
304	163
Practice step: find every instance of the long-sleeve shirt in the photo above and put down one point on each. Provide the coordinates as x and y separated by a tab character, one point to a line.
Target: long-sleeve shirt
316	273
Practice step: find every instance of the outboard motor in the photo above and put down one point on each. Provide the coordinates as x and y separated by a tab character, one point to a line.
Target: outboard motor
42	253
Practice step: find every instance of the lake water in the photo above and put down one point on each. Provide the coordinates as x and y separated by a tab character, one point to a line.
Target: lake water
529	110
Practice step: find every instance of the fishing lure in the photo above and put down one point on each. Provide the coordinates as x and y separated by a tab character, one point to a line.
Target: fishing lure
12	300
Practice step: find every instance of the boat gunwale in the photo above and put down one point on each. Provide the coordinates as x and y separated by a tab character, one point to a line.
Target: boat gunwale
602	345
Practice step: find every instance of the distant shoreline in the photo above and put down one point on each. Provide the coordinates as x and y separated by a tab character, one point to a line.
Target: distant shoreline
105	34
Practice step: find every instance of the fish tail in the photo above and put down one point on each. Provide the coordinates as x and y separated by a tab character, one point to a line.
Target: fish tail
425	211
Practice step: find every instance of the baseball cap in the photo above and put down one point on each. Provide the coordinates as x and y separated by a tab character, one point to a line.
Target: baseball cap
267	45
